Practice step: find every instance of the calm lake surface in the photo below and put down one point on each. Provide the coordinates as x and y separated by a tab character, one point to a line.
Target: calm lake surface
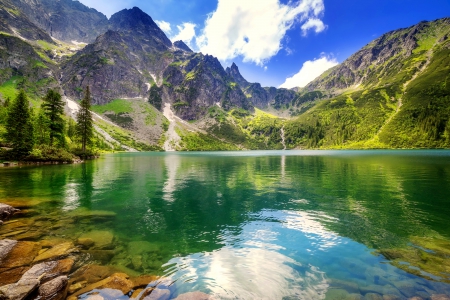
261	224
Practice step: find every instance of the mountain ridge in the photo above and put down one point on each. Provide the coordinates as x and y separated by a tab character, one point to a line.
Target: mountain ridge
389	94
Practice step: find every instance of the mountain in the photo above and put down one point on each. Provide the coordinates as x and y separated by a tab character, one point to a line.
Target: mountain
393	93
65	20
182	46
134	54
259	96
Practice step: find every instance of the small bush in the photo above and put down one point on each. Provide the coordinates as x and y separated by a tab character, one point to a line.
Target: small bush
45	153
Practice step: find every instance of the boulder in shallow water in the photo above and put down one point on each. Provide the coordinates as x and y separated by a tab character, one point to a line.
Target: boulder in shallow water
55	289
19	290
22	254
85	243
102	239
48	270
117	281
5	247
56	252
6	211
8	276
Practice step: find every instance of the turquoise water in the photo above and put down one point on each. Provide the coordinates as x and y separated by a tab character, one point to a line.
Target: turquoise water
262	224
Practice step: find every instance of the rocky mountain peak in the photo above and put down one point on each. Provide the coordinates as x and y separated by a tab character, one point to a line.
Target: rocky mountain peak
181	45
136	21
233	71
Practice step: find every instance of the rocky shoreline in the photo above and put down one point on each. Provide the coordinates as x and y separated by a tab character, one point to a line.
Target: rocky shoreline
56	268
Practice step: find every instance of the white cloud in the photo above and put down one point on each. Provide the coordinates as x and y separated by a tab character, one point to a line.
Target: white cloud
315	24
254	29
309	71
165	26
186	33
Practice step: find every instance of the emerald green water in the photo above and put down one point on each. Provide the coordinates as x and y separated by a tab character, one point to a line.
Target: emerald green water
261	224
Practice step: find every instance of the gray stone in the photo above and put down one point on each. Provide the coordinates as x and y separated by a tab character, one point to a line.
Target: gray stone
19	290
158	294
55	289
6	211
6	247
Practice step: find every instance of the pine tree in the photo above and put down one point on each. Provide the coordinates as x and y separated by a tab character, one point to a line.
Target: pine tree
19	126
53	108
84	121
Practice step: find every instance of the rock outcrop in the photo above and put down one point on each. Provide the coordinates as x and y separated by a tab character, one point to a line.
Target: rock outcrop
259	96
65	20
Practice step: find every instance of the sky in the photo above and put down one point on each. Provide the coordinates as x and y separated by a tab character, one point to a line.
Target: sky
281	43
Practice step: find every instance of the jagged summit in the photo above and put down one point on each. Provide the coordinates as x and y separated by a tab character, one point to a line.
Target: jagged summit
181	45
136	21
233	71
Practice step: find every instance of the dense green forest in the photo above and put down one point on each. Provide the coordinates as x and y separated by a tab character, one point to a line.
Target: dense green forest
45	133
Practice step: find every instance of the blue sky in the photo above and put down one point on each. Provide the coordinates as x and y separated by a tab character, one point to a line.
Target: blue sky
273	40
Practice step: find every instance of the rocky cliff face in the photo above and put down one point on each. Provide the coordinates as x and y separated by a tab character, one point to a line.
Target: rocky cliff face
182	46
16	22
121	63
259	96
134	54
65	20
196	82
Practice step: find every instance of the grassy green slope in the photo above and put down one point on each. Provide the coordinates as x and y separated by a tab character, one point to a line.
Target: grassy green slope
402	103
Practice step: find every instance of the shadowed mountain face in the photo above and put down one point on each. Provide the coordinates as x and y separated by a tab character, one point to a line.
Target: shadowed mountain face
15	22
259	96
65	20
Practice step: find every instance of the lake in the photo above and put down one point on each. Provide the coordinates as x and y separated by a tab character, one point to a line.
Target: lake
256	224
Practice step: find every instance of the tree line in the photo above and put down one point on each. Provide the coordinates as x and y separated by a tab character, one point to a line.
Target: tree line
43	136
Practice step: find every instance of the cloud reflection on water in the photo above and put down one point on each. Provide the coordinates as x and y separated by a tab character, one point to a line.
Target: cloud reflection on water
254	265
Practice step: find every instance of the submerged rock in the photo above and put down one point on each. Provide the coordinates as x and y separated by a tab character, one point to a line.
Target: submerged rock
102	256
22	254
140	247
93	214
56	252
5	247
117	281
48	270
6	211
86	243
19	290
102	239
55	289
8	276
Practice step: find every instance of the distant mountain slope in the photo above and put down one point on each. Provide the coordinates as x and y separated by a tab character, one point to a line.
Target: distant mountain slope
392	93
259	96
65	20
